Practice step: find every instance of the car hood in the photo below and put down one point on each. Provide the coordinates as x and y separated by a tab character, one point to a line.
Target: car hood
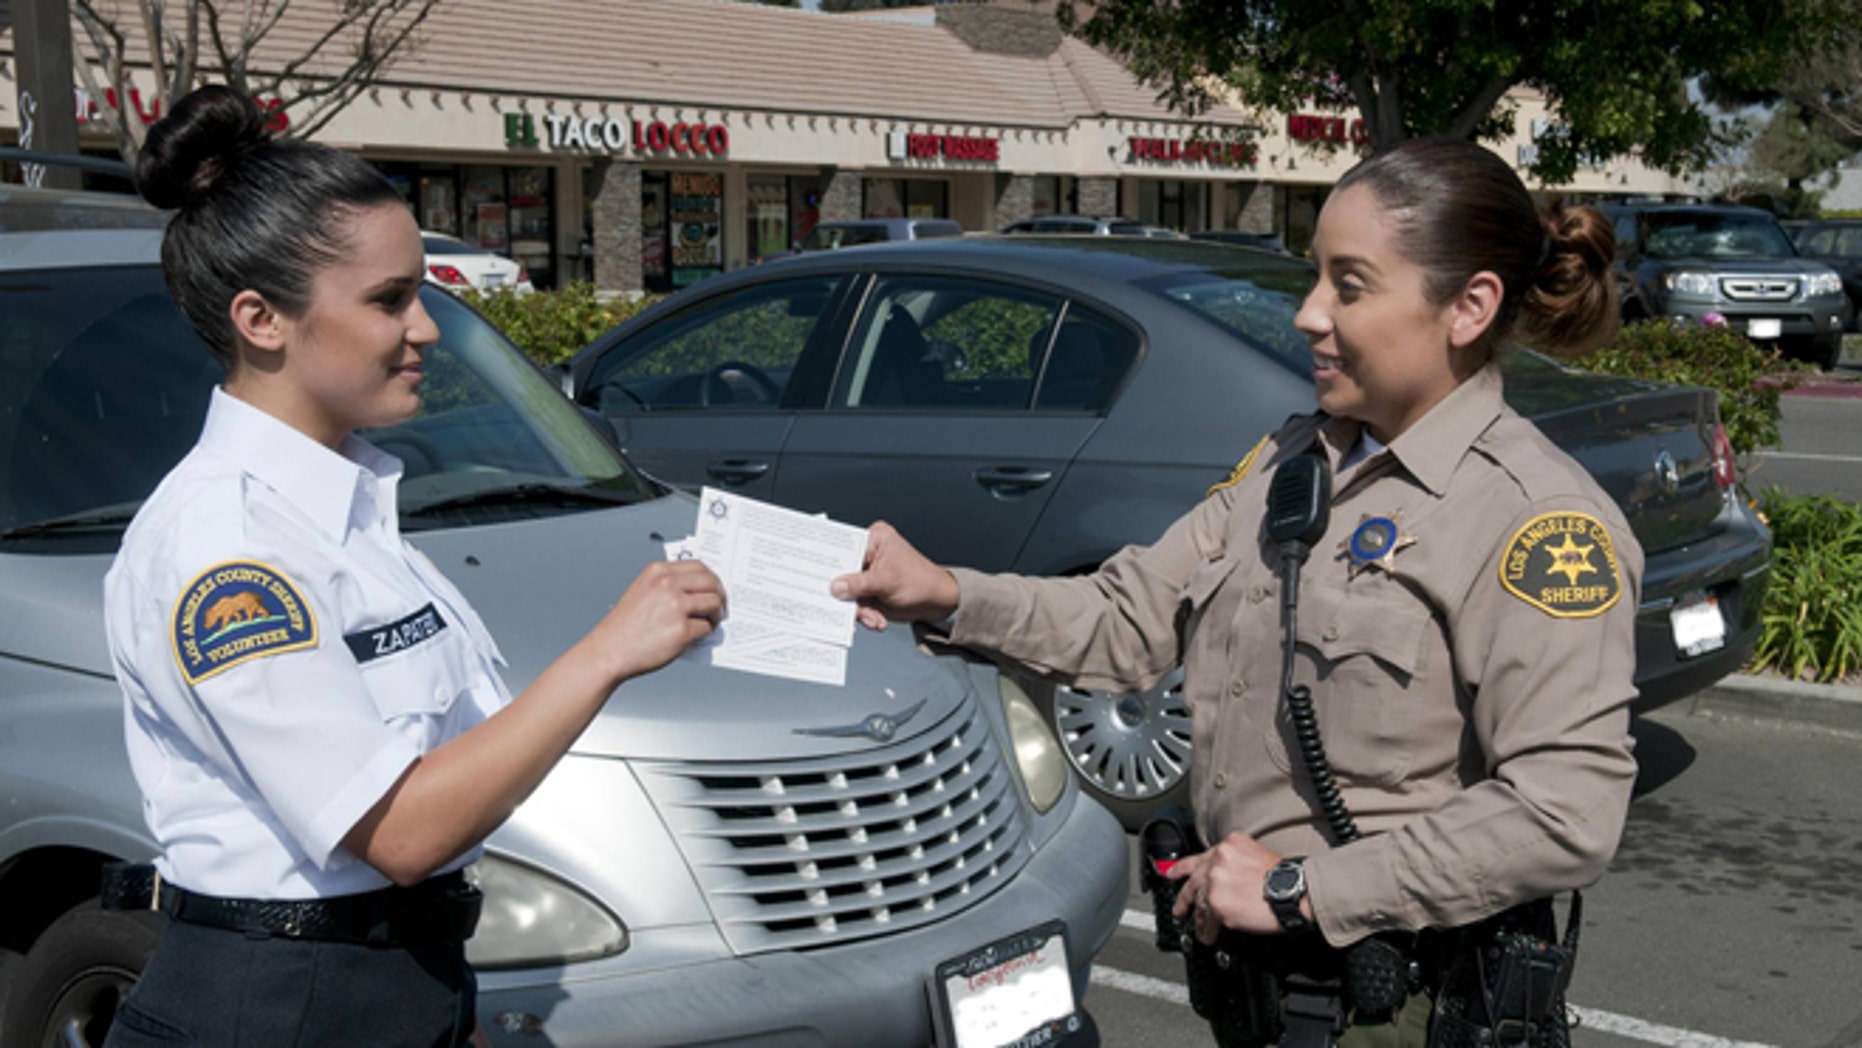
540	585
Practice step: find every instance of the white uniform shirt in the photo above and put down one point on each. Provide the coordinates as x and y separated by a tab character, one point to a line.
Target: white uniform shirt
284	655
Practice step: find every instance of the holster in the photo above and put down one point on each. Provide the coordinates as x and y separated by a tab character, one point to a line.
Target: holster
1506	982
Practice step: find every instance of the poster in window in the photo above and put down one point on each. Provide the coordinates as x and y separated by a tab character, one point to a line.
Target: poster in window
697	208
493	233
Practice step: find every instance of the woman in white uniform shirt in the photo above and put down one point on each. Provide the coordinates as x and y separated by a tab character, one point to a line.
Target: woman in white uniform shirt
314	713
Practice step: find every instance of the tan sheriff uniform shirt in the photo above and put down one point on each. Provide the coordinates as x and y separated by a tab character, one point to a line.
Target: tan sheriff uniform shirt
1471	665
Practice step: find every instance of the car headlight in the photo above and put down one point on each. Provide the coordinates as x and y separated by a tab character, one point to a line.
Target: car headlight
531	918
1823	284
1037	752
1694	283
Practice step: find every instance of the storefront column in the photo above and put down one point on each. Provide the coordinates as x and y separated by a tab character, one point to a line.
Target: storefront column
1014	200
617	226
1256	214
1099	196
841	198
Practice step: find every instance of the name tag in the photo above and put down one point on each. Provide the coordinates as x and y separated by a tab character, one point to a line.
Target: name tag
368	645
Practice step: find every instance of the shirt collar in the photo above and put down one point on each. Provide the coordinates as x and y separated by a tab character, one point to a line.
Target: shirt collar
322	484
1432	447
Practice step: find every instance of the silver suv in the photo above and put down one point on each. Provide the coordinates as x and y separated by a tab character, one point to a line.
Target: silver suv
720	858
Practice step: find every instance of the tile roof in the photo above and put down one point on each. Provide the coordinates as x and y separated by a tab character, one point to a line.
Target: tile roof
728	54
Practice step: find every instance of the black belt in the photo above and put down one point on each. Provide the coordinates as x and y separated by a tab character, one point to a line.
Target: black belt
439	911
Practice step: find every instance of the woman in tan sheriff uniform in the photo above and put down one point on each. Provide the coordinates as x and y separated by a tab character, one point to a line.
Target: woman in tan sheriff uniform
1465	624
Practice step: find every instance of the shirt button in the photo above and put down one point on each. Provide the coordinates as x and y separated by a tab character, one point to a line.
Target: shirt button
439	695
1221	780
1331	633
1237	688
1258	594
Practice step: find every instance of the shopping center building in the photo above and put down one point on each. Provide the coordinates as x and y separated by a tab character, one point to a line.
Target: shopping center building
646	144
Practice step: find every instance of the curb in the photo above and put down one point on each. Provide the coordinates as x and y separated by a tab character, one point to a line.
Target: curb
1827	707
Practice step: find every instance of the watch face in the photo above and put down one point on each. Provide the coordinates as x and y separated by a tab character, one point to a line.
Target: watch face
1284	881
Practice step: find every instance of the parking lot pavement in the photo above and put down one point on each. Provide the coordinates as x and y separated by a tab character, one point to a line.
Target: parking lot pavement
1731	918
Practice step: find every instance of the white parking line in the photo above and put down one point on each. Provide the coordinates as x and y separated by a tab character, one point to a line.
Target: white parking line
1806	456
1590	1018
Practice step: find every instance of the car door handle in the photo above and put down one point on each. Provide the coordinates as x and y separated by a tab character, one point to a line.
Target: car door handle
736	471
1006	481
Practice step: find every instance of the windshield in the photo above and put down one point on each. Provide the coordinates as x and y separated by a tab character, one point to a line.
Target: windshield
1704	234
1256	305
103	387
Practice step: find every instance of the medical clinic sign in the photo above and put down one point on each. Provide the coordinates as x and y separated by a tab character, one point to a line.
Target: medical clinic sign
605	134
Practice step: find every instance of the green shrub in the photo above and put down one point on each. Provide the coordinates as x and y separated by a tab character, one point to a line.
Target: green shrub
1749	378
549	326
1812	618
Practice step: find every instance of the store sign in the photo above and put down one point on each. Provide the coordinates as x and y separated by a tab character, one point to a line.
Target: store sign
974	148
1309	127
1170	150
614	136
277	121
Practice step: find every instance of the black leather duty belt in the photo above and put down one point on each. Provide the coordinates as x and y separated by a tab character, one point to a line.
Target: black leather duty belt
439	911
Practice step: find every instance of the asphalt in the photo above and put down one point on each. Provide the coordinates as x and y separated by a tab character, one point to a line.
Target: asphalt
1833	708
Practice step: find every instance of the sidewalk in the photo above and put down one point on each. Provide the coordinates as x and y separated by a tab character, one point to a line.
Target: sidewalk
1823	707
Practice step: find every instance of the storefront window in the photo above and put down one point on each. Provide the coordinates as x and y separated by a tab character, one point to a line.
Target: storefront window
530	193
486	217
1174	204
907	198
696	227
804	206
766	215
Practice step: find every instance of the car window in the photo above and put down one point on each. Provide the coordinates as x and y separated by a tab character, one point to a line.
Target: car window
1705	234
103	388
1125	229
930	230
1256	305
946	342
1818	242
1848	242
1625	235
734	351
1088	359
438	245
827	238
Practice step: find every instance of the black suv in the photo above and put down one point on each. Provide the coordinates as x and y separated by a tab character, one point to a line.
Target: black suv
1693	260
1836	242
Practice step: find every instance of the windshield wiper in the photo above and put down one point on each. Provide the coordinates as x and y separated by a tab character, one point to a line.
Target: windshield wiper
90	520
529	493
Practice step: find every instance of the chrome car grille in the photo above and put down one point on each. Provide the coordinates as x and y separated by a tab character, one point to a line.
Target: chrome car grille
1759	289
815	852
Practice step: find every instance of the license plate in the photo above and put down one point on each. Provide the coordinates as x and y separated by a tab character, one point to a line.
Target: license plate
1014	992
494	280
1764	327
1698	625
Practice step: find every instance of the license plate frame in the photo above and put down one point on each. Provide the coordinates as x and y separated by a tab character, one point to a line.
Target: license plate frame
1021	982
1698	624
494	280
1765	327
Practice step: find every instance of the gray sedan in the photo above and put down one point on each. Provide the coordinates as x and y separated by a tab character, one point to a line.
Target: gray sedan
1034	404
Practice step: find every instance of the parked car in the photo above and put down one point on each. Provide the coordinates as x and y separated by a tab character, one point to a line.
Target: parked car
1161	233
721	858
1264	241
1089	225
1691	260
1837	243
456	266
1035	404
827	236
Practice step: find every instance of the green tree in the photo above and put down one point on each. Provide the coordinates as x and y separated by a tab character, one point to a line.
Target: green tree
1815	106
1613	72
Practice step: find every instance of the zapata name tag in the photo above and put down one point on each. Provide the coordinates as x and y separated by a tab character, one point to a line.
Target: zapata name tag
399	635
1564	564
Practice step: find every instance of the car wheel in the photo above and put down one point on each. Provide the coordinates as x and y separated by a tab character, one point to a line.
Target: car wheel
66	991
1131	750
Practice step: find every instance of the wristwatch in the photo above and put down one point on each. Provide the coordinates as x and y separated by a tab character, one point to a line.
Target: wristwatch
1284	887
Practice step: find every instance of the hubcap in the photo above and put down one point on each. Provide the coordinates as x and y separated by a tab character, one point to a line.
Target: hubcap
1129	746
86	1007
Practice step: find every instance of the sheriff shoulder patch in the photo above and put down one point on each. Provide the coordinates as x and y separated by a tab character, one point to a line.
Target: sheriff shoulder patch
235	612
1241	469
1564	564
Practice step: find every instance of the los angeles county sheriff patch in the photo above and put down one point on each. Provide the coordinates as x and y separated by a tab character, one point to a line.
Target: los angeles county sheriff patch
235	612
1564	564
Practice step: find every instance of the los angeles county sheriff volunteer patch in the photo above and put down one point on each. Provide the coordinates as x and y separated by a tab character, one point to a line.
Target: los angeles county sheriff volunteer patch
1564	564
236	612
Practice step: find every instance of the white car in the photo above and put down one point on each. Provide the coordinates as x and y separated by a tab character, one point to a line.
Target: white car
456	265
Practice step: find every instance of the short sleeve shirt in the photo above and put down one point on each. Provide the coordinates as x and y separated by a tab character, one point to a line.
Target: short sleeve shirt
285	655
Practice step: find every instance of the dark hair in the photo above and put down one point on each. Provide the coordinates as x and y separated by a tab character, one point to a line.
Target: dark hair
255	212
1459	210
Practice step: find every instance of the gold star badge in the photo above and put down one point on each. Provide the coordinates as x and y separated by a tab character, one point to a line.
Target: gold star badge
1375	542
1571	560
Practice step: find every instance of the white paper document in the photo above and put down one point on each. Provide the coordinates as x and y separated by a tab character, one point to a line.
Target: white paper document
776	565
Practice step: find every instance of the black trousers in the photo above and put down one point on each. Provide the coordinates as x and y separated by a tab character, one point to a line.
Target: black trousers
212	988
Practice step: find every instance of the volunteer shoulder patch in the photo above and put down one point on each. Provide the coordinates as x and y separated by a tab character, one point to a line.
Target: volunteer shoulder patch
1564	564
1241	469
235	612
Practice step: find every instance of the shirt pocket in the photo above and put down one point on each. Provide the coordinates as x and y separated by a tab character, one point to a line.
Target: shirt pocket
417	691
1360	658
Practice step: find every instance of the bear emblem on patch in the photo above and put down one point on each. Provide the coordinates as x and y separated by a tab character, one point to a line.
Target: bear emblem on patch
235	612
1564	564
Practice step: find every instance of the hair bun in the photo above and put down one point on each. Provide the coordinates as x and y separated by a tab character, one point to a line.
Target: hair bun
189	149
